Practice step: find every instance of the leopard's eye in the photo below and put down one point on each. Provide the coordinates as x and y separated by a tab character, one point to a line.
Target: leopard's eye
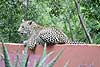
22	26
30	22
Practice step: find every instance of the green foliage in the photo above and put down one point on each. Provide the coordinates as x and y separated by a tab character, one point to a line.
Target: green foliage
91	10
59	13
10	16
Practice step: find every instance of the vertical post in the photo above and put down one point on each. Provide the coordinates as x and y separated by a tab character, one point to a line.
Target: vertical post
82	21
26	9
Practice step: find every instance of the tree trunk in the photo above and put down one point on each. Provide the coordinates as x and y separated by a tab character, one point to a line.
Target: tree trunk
82	21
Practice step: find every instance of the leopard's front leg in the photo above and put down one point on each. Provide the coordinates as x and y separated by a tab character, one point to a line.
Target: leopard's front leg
30	44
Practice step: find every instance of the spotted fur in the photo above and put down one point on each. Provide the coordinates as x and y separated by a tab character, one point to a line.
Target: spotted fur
41	35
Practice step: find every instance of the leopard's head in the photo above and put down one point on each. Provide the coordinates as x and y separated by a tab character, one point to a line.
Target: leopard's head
26	27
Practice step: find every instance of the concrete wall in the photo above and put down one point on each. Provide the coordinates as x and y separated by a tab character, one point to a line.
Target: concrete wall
80	55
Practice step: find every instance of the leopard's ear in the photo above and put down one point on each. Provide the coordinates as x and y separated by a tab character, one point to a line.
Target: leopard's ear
30	22
23	20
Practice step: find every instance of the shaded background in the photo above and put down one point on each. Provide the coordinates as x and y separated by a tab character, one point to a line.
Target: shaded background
59	13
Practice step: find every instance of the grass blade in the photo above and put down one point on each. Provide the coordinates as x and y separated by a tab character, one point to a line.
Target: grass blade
24	57
41	61
6	56
65	65
35	63
50	64
44	51
26	64
41	58
44	59
16	60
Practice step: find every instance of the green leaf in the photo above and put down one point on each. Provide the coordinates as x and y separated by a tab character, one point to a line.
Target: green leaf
41	61
44	51
24	57
44	59
52	62
66	64
6	56
35	63
26	64
16	60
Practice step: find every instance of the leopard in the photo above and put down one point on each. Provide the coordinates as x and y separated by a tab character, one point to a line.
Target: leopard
38	34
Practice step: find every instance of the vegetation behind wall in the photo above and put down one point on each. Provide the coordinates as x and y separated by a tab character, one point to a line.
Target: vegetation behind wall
60	13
